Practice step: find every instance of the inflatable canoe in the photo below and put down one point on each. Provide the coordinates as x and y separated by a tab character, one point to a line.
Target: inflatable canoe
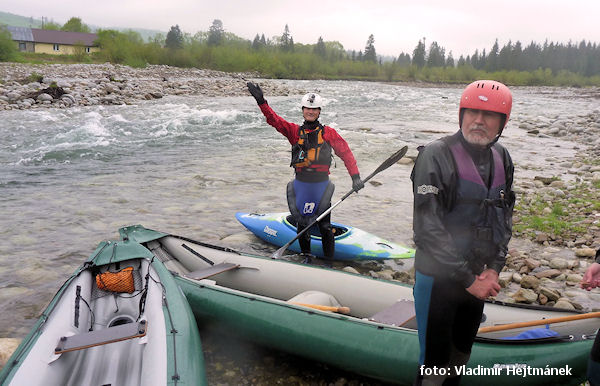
120	319
288	306
350	243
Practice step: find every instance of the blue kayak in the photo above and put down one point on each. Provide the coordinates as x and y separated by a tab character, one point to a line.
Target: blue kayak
350	243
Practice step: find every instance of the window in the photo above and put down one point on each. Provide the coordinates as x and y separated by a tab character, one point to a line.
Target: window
56	47
87	49
22	46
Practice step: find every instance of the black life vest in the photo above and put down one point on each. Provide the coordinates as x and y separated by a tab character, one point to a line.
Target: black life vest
479	220
311	148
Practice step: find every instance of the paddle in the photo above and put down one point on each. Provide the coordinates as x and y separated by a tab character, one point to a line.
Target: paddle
386	164
510	326
341	310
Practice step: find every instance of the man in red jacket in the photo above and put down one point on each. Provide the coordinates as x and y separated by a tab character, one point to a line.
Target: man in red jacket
309	194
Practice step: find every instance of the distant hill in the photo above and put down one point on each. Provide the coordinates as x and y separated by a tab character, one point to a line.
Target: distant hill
19	21
31	22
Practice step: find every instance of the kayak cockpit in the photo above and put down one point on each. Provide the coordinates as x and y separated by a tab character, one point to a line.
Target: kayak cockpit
338	229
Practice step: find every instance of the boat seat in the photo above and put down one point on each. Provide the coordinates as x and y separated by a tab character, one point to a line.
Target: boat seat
211	271
316	298
101	337
400	314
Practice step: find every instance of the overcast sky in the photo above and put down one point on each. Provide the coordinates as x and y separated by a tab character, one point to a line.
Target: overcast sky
460	26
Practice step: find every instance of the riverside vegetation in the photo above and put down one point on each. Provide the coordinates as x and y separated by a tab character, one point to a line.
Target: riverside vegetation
556	64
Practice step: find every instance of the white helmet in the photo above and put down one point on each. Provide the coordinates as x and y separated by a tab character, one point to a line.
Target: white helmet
312	100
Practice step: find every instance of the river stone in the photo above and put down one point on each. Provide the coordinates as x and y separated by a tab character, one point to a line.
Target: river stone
7	347
386	274
532	263
516	277
585	252
574	278
525	296
564	304
559	263
44	97
504	279
547	273
350	270
550	293
529	281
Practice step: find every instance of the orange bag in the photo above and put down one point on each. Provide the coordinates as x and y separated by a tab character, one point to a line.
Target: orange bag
121	281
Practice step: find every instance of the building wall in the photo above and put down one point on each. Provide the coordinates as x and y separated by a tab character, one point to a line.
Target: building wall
25	46
63	49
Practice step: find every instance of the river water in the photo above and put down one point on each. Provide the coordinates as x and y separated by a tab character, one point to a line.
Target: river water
70	178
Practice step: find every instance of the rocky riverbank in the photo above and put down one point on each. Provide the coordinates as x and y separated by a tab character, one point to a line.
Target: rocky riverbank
33	86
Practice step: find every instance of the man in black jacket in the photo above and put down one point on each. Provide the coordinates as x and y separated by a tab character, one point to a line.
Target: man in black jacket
463	204
591	279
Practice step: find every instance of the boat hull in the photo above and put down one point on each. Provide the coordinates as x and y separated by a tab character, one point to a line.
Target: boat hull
350	244
381	352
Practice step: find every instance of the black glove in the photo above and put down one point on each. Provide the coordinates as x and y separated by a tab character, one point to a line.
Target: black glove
357	183
256	92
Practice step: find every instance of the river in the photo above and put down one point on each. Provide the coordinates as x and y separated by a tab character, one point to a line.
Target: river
69	178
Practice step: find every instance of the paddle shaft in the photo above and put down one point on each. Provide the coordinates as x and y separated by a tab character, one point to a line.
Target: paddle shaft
511	326
341	310
386	164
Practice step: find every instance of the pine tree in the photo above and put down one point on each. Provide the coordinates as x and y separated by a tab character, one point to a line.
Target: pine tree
174	38
419	54
320	49
216	33
370	55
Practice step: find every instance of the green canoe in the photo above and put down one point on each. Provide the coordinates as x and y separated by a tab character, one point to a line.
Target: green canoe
274	302
120	319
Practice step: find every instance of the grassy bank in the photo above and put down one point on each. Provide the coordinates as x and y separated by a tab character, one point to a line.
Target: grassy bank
562	216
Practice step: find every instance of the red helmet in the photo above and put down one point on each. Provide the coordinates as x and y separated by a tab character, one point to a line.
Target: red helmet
486	95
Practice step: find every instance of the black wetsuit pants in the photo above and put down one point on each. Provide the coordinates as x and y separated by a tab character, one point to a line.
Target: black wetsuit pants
593	371
448	318
327	238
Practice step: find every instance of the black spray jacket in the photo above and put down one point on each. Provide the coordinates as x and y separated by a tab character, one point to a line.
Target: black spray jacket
463	206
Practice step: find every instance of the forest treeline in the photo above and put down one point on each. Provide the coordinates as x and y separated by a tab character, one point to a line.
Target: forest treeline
548	63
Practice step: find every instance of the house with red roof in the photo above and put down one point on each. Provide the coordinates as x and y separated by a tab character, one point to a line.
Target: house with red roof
53	42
